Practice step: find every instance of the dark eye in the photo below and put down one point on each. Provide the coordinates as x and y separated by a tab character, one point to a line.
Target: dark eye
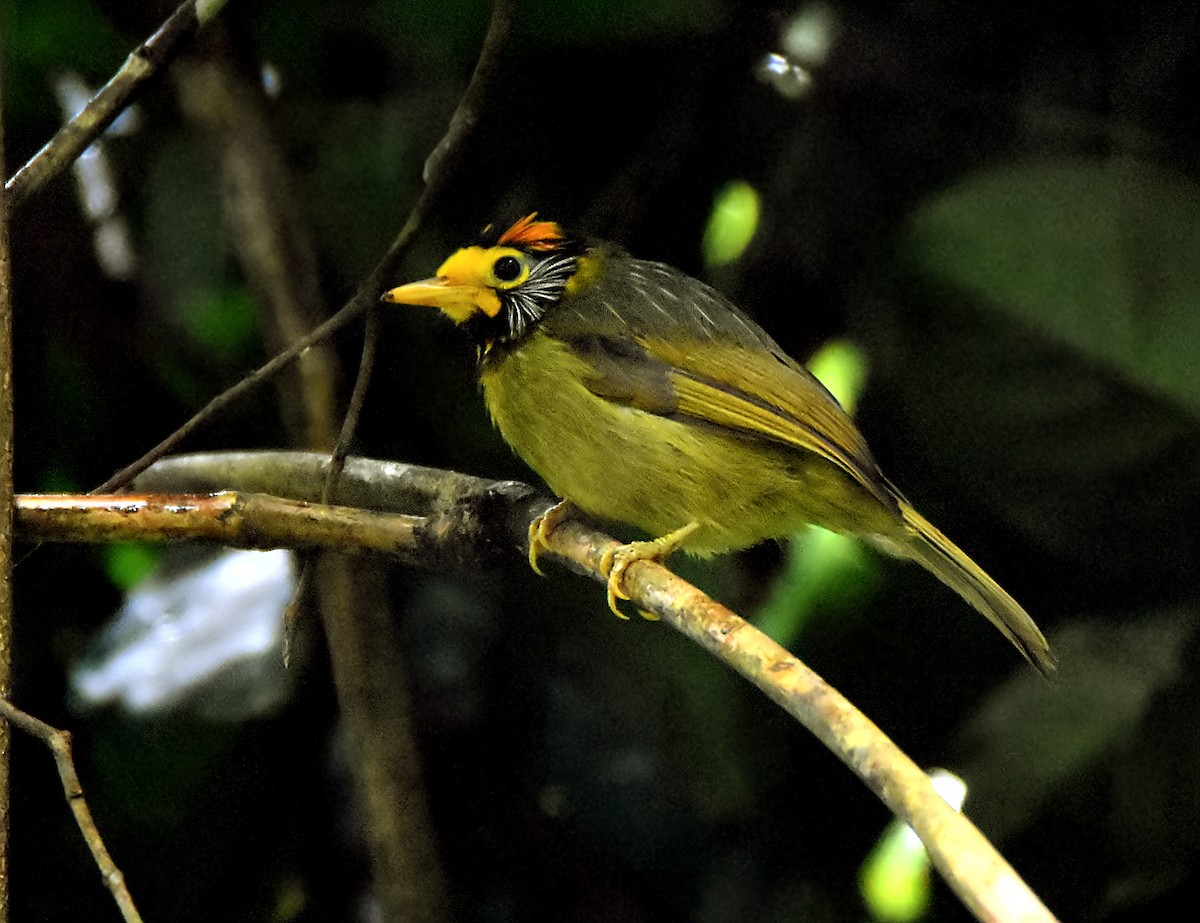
507	268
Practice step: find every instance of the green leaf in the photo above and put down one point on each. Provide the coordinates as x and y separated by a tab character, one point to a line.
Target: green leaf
1038	353
1024	748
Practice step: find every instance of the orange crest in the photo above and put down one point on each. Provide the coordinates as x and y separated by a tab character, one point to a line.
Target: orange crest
528	234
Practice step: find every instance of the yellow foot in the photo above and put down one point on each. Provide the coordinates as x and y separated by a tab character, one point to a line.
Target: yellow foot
617	561
540	529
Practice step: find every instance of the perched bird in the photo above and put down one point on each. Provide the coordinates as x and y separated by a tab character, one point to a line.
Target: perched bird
642	395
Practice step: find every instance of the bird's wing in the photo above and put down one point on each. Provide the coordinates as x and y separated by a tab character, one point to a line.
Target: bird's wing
753	392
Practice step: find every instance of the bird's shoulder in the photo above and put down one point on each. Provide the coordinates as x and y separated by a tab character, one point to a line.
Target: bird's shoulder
618	295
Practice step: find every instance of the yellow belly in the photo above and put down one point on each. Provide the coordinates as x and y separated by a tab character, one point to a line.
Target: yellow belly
623	464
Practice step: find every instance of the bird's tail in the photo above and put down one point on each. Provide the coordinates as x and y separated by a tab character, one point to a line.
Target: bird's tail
946	561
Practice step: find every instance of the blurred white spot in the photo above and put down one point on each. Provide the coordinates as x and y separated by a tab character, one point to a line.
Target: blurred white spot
207	637
952	789
806	40
809	36
272	81
98	194
788	79
114	249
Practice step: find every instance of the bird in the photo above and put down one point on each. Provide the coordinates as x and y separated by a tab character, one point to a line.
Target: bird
643	396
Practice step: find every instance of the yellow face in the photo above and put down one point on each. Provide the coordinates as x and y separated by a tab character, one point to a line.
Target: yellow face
502	285
470	282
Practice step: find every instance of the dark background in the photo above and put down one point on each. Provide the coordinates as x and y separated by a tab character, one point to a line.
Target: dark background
996	202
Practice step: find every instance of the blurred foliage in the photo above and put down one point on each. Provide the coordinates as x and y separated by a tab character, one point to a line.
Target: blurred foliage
896	878
127	563
996	203
731	225
842	368
1098	253
826	575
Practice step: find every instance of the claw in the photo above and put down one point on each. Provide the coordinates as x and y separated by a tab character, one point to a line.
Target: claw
617	560
540	529
615	568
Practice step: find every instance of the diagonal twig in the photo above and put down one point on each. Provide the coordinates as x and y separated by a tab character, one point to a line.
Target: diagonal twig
446	155
59	742
233	394
439	166
985	882
144	62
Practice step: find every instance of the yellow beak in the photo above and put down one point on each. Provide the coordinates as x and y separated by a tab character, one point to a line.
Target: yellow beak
456	301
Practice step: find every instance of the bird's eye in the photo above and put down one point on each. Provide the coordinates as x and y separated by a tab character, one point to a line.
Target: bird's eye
507	269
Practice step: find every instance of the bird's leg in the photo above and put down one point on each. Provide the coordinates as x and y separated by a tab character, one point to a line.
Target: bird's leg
540	529
617	561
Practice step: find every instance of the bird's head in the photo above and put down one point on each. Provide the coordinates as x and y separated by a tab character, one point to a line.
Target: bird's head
499	286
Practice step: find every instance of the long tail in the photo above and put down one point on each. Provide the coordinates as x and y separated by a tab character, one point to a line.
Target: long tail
946	561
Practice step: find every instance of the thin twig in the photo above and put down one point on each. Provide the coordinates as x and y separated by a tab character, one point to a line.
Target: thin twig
143	63
358	398
499	28
439	166
226	398
337	461
440	163
59	742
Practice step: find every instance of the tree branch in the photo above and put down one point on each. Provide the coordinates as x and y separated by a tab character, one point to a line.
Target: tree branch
467	521
239	520
221	97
